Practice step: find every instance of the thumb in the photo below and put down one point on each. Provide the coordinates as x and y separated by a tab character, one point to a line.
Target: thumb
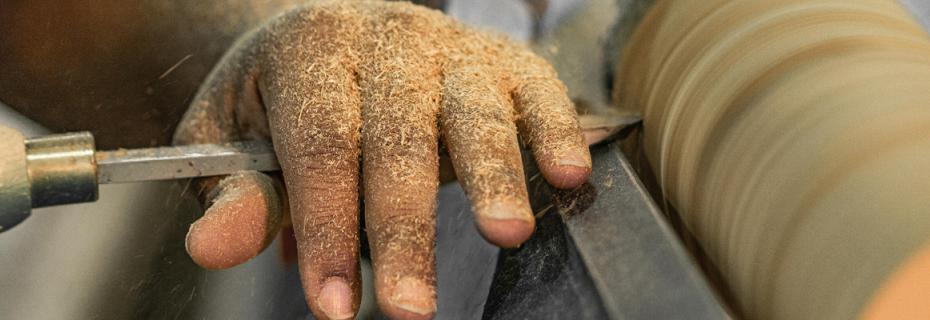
243	216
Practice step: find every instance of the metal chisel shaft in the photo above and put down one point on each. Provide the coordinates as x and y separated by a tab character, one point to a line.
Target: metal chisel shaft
66	168
168	163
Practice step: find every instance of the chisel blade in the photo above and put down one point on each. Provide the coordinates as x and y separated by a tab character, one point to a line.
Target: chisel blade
179	162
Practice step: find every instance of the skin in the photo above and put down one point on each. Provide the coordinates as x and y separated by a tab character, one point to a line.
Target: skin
343	89
904	294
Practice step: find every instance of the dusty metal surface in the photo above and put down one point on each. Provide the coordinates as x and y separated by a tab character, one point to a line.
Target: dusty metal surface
601	251
61	169
170	163
544	279
636	261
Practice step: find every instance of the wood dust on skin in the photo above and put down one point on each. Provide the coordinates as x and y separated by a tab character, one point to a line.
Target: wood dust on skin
236	226
381	82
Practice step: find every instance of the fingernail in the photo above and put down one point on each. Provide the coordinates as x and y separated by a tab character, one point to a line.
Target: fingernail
335	299
413	295
575	160
506	210
567	171
506	224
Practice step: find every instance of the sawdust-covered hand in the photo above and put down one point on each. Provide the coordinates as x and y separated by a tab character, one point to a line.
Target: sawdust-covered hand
334	84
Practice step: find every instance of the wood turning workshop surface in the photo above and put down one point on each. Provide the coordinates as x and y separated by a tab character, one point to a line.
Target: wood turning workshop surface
793	137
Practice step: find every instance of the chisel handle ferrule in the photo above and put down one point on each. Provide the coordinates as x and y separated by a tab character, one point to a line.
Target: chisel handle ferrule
44	171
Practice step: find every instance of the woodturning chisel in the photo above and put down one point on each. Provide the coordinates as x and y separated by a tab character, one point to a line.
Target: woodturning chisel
66	168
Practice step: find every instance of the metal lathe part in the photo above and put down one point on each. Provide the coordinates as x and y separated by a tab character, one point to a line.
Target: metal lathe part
66	169
61	169
15	196
169	163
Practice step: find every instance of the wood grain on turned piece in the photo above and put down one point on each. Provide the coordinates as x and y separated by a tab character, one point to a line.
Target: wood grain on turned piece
15	196
793	136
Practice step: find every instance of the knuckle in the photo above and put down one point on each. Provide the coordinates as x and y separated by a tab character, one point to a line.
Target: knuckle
333	200
411	16
487	111
325	236
409	225
331	240
531	67
325	28
316	153
326	166
408	211
404	205
318	18
339	261
498	173
325	221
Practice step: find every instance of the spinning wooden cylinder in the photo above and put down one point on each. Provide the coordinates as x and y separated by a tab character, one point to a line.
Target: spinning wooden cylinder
793	137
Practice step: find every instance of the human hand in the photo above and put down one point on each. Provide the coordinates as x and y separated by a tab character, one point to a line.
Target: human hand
333	84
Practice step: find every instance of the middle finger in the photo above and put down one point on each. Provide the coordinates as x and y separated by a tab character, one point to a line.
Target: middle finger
400	102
